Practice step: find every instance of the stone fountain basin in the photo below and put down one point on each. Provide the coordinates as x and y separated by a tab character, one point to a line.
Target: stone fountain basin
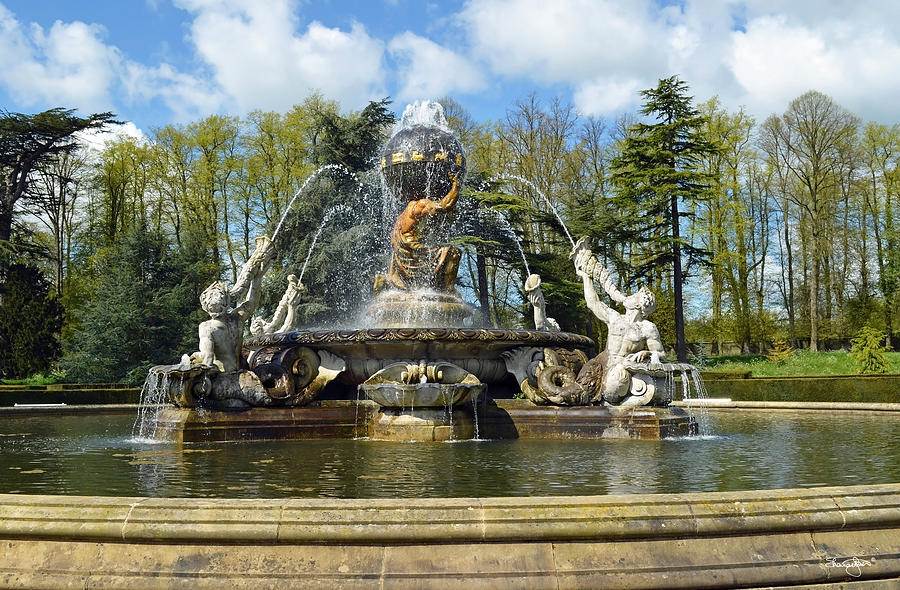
477	351
422	395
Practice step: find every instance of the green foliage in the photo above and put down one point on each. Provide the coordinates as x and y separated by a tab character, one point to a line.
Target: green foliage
143	310
30	320
868	352
655	170
355	140
564	297
207	188
700	358
37	379
664	318
658	177
28	140
340	224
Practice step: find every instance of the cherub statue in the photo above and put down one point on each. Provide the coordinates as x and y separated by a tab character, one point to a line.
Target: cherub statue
536	298
221	336
633	343
285	314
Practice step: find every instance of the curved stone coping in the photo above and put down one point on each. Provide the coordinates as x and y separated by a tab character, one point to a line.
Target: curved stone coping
448	520
725	403
823	538
462	335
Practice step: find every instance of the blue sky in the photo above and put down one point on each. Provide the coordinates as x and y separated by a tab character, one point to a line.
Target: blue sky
155	62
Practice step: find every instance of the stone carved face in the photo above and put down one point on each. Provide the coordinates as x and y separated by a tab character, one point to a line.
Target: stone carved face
215	300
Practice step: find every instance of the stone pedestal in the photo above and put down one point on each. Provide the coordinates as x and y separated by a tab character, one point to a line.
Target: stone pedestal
424	424
418	309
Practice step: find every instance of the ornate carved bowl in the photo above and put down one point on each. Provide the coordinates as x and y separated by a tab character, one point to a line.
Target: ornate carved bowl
438	384
477	351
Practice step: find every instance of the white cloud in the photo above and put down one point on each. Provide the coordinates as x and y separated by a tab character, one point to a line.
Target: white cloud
251	54
605	95
771	59
428	70
777	59
68	65
254	56
260	61
186	96
71	66
755	53
563	40
604	50
96	140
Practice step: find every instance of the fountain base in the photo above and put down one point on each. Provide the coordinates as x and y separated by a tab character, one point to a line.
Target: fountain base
497	419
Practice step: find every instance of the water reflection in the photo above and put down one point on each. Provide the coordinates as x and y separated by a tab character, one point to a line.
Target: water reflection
74	455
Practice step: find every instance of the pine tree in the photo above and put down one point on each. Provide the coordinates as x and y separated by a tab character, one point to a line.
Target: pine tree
144	309
868	351
30	320
656	172
26	141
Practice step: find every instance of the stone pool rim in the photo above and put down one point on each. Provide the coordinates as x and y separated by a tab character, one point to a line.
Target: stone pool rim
821	535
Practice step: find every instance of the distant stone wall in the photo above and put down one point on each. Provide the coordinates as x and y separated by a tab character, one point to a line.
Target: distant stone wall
884	389
69	394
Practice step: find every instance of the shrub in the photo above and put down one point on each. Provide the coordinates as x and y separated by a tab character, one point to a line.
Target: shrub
868	351
780	352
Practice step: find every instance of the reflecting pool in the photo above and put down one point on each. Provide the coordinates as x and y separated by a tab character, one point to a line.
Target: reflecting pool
96	455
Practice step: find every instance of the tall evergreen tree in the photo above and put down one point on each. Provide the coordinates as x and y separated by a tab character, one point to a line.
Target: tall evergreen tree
144	309
353	141
337	230
30	320
27	140
656	171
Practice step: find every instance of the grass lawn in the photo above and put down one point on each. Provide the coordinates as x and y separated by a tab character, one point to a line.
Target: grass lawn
39	379
800	363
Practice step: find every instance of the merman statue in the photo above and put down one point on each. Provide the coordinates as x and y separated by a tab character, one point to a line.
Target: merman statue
630	372
633	343
222	336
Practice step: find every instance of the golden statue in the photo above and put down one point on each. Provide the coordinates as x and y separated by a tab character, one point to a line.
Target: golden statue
414	264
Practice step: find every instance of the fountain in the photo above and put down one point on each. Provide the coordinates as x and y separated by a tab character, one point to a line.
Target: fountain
418	372
427	377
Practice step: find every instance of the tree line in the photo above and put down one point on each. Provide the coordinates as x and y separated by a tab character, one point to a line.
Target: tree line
783	228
